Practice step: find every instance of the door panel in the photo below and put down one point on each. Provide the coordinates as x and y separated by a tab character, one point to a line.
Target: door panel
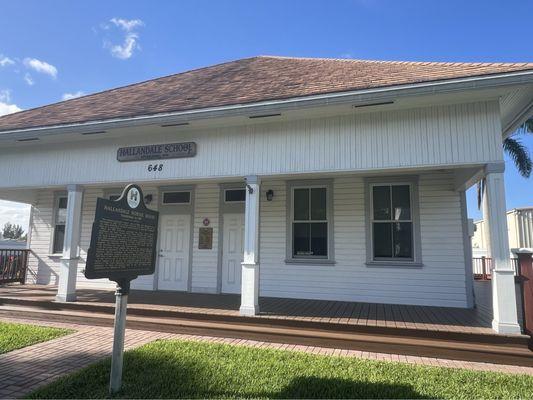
232	252
174	252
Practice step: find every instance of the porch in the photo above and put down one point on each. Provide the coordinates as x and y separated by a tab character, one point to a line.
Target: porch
425	331
349	314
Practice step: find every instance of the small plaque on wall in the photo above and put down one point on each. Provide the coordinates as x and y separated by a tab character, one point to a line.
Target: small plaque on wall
205	238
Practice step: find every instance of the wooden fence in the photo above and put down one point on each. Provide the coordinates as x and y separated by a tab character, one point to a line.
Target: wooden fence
13	264
482	267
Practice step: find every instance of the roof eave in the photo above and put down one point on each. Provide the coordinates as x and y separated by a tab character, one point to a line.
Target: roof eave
335	98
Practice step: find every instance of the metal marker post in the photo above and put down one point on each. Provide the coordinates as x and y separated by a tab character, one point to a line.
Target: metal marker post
115	380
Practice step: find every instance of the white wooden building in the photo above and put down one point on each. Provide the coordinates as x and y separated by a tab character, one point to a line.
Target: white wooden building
316	178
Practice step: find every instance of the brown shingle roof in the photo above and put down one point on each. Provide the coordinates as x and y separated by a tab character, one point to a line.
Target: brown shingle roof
243	81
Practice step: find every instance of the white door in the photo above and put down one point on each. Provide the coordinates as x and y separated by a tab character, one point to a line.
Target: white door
232	252
174	240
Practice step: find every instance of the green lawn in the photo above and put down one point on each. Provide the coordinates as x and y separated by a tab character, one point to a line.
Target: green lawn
173	369
16	336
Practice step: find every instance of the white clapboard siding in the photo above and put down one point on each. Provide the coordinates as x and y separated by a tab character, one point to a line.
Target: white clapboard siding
434	135
205	261
441	281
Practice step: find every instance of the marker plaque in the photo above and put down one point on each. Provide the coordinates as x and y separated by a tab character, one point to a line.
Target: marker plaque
123	246
123	239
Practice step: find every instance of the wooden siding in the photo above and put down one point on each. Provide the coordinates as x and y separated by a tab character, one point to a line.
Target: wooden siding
440	282
430	136
205	261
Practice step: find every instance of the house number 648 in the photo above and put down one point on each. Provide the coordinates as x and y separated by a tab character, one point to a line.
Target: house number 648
155	167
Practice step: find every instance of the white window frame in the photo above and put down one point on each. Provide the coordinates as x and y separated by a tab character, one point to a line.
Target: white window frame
310	259
163	203
233	189
412	182
57	197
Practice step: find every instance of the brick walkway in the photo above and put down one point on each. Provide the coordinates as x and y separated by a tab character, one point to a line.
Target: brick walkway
26	369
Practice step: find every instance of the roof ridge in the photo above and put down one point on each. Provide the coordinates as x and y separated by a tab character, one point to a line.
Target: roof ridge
404	62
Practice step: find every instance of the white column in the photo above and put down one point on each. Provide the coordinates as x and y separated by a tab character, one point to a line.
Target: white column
250	265
503	284
66	290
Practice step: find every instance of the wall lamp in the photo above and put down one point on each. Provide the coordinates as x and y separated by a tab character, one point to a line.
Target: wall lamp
270	194
148	198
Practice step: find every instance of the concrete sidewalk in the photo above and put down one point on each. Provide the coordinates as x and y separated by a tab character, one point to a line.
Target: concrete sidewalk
26	369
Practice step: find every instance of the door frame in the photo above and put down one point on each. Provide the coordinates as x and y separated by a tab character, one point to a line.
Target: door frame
226	208
176	209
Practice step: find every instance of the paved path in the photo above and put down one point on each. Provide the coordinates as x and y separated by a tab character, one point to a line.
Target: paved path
26	369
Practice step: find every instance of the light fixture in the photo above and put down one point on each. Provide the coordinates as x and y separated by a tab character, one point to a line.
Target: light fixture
270	194
372	104
264	116
148	198
175	124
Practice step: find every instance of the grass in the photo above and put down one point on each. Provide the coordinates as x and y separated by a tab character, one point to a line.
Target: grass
17	336
183	369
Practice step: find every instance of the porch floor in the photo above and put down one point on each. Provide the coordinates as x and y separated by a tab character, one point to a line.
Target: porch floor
426	318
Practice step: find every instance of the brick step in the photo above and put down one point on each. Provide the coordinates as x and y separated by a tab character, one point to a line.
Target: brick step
382	343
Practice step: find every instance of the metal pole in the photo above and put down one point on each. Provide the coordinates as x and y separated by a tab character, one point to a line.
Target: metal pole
115	380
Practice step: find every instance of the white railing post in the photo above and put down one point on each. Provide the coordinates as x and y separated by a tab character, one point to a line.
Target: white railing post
66	290
503	282
250	265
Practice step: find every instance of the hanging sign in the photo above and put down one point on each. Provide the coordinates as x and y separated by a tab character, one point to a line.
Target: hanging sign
157	151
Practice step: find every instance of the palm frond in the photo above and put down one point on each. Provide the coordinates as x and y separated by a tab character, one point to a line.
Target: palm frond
520	155
480	192
528	126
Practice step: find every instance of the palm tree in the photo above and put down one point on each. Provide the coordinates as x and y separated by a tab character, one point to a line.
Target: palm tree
518	153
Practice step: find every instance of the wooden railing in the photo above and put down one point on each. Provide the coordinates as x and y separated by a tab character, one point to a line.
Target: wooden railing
482	267
13	265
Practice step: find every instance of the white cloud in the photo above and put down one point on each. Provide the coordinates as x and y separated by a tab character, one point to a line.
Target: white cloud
5	61
41	67
28	79
126	49
5	106
68	96
16	213
127	25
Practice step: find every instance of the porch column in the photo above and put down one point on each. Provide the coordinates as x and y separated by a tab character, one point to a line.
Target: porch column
250	265
66	290
503	283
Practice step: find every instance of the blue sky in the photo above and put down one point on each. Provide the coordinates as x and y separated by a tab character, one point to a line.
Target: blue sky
55	49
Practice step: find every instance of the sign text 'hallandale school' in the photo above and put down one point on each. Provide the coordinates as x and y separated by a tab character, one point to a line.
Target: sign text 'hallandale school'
157	151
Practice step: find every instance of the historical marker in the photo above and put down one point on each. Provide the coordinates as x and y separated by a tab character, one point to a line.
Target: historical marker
123	246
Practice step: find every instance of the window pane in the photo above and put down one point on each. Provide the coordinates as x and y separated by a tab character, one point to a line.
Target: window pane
318	204
401	202
301	204
61	211
176	197
59	238
62	202
382	239
235	195
403	239
381	202
319	239
301	232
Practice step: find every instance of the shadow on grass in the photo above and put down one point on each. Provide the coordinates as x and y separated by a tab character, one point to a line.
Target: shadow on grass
333	388
160	375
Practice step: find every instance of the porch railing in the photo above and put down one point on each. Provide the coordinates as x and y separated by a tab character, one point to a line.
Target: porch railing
13	265
482	267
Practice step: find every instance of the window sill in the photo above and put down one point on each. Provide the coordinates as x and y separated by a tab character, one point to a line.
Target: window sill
55	255
310	261
394	264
